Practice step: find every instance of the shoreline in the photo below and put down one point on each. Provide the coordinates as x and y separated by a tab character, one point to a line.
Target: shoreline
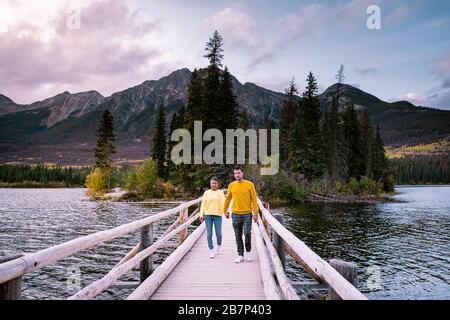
344	198
118	193
123	196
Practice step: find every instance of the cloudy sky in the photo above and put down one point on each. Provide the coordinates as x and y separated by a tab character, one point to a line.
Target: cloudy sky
115	44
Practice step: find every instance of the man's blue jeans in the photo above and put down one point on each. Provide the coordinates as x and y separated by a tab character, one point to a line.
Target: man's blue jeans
211	220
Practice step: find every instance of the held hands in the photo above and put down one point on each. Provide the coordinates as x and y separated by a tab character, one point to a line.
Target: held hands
226	215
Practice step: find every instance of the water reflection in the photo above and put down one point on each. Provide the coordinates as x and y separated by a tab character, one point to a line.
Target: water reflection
34	219
402	248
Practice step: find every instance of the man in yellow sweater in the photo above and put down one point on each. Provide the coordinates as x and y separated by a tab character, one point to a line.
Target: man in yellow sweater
243	193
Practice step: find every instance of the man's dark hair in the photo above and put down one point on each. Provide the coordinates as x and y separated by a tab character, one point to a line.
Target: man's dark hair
239	168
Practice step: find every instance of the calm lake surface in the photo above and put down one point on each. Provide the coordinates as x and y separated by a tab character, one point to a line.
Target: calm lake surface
402	248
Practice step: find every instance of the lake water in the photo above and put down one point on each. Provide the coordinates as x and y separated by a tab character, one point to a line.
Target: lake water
402	248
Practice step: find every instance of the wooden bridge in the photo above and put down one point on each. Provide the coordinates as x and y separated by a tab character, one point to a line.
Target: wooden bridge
188	272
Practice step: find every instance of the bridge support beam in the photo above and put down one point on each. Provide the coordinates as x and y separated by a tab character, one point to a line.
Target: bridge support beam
348	270
12	289
146	265
184	215
278	242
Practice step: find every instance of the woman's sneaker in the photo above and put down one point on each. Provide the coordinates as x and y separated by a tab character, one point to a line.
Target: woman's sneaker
217	250
211	253
239	259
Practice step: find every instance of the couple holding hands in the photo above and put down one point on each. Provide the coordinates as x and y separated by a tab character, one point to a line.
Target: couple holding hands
245	208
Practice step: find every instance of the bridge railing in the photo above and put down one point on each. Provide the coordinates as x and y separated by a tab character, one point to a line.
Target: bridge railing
317	267
12	271
277	286
276	283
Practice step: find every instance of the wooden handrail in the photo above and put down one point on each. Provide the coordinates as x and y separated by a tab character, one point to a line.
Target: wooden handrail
149	286
35	261
137	247
285	285
312	263
320	267
102	284
271	290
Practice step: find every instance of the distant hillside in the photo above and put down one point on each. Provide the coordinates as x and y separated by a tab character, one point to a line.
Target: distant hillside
62	128
400	122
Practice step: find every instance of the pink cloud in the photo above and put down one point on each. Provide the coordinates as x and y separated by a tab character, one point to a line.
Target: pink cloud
400	13
240	33
413	97
309	18
350	16
443	65
111	51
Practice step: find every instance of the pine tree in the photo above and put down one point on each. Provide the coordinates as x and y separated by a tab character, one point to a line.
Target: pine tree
379	160
334	146
306	144
340	77
195	112
214	50
212	87
354	143
288	112
195	109
367	137
176	123
333	135
229	108
312	116
105	142
227	118
244	120
159	146
181	119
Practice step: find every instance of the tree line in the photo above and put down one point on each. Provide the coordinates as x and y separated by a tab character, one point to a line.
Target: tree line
335	144
326	149
40	175
212	101
433	169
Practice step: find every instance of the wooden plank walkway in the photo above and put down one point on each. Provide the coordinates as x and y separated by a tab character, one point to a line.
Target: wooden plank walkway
197	276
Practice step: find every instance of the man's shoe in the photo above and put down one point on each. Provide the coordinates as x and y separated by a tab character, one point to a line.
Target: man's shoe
211	253
239	259
248	256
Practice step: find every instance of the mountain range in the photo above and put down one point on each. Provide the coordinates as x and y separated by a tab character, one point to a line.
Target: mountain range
62	129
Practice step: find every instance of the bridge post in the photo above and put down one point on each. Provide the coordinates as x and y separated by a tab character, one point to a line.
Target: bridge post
348	270
184	214
278	242
146	265
266	225
10	290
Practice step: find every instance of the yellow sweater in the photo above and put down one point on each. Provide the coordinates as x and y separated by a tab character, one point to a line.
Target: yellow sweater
212	203
244	197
